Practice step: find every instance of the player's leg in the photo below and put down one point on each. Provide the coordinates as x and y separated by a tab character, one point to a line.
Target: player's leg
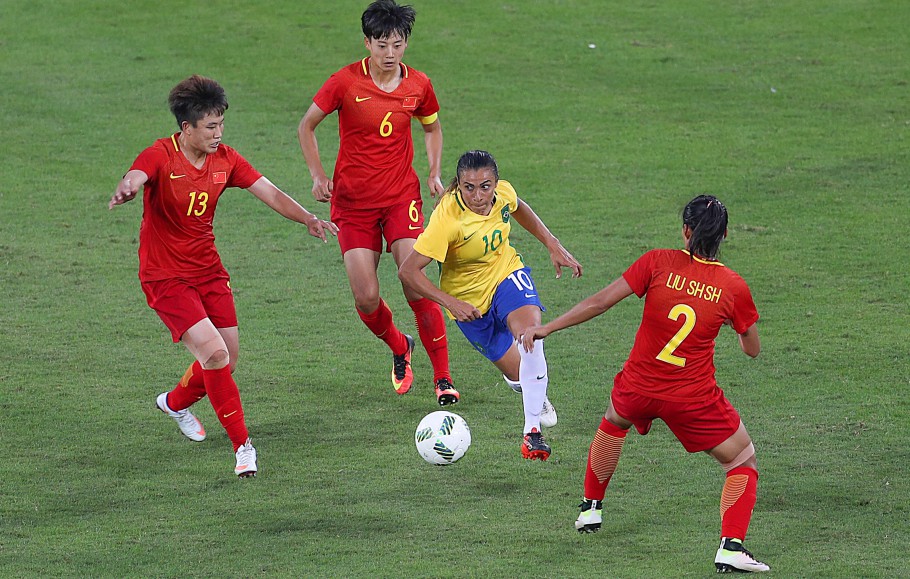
603	456
716	428
401	224
548	416
431	328
179	306
207	343
533	376
737	457
191	387
360	265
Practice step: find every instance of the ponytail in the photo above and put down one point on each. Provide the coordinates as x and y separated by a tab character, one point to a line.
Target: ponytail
706	216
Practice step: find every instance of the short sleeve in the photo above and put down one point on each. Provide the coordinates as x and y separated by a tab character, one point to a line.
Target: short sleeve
744	311
638	276
150	161
435	239
328	98
428	105
243	175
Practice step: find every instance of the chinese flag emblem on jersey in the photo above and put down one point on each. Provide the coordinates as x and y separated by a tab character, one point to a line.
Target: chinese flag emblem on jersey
219	177
409	103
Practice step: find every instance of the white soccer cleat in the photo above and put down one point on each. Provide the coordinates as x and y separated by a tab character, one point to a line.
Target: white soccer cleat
188	423
591	516
246	460
732	557
548	414
516	386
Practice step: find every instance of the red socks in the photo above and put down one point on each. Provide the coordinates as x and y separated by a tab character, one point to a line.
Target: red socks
431	326
602	459
737	501
380	323
189	390
225	398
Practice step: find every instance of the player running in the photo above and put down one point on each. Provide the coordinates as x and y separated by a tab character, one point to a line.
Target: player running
484	284
184	281
669	375
375	192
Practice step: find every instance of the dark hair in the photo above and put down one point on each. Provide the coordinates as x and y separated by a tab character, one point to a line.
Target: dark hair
473	160
196	97
383	18
706	216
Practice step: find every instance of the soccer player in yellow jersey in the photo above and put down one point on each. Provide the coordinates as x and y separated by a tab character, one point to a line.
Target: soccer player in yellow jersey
484	285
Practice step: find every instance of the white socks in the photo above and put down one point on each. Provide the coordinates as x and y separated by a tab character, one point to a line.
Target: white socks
532	375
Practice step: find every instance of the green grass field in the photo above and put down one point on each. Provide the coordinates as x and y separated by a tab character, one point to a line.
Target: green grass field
794	113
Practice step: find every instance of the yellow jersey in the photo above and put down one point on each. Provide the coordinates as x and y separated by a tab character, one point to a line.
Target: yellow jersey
474	250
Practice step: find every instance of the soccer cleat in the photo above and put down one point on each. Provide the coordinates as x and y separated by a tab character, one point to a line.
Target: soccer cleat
402	377
732	557
591	516
534	447
547	414
446	393
188	423
516	386
246	460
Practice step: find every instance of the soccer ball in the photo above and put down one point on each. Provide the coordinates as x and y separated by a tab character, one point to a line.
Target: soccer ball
442	437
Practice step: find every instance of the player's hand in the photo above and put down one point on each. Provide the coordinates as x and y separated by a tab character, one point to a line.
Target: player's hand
125	192
436	186
318	227
463	311
531	334
562	258
322	189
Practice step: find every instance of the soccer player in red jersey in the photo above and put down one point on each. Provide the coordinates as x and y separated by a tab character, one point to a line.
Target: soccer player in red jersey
689	297
375	192
184	281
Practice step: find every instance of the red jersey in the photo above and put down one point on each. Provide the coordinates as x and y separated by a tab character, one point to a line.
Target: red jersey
687	300
375	153
176	239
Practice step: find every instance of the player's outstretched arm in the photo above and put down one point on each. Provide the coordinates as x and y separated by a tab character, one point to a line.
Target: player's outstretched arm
306	134
284	204
581	312
411	274
128	187
559	256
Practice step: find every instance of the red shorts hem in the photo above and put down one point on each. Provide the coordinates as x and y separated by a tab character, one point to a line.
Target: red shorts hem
366	228
181	303
699	425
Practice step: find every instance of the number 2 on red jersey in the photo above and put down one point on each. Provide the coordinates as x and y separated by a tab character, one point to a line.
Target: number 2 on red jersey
666	355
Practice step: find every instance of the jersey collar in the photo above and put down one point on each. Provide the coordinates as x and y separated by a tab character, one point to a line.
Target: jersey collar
701	259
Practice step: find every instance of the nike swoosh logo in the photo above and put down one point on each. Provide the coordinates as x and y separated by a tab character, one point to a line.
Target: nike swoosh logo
530	295
439	338
413	227
176	176
229	414
358	99
541	377
469	236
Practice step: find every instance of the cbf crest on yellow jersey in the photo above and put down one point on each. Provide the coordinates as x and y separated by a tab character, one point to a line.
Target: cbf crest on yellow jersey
474	250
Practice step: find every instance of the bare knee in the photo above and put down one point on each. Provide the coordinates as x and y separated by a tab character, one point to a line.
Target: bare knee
366	303
219	359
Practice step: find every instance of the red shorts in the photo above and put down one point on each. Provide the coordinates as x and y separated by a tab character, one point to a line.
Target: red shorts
698	425
366	227
181	304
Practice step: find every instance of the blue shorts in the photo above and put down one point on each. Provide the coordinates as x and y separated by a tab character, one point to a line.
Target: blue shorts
490	334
